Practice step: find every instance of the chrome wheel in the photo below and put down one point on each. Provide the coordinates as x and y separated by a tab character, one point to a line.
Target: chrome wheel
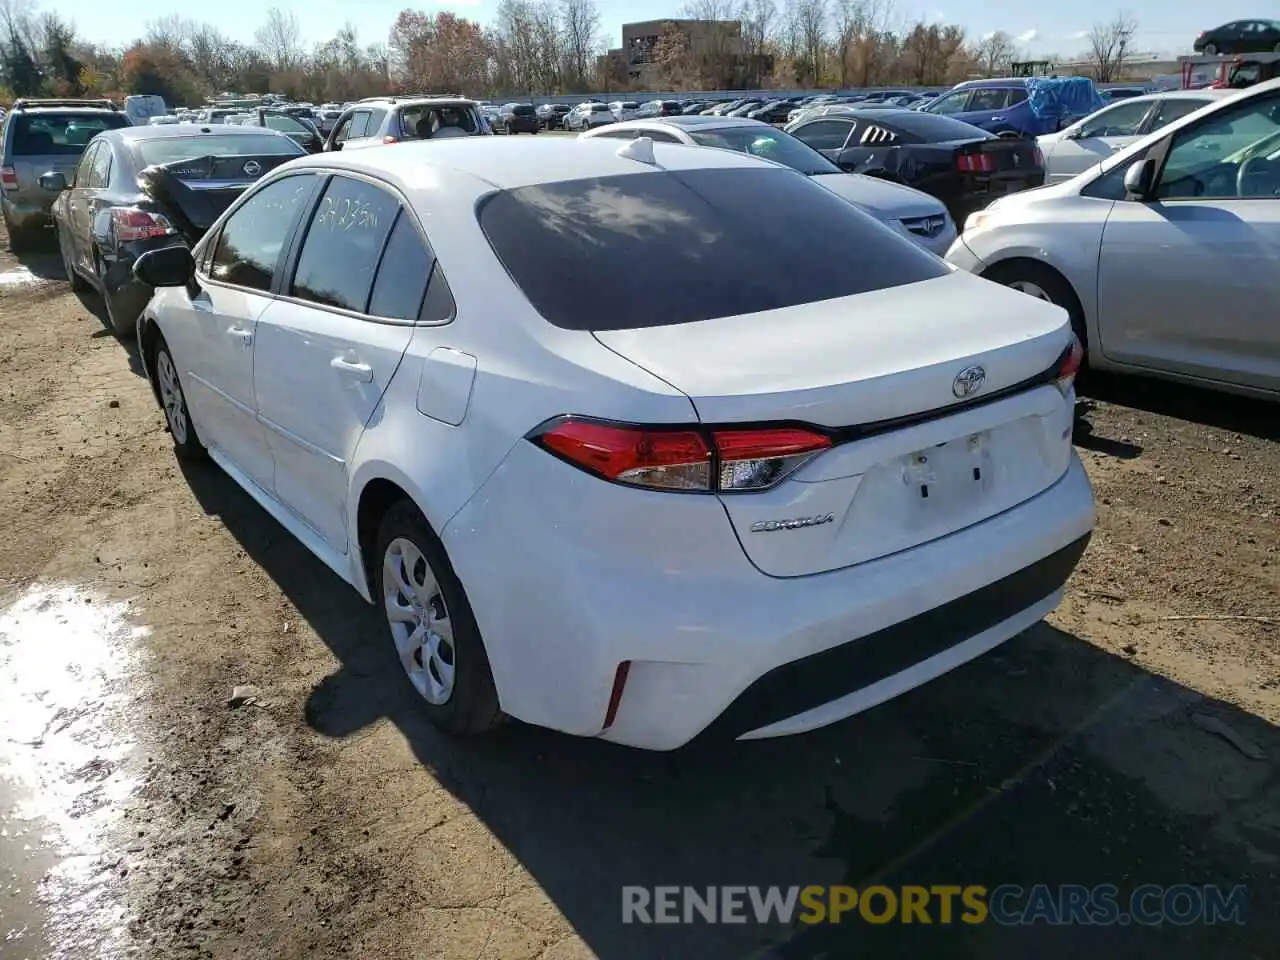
175	408
419	620
1030	289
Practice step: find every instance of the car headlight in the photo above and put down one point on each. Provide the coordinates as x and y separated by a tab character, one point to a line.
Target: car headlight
976	221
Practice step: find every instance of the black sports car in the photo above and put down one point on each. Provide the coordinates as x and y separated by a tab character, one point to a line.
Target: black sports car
963	166
140	188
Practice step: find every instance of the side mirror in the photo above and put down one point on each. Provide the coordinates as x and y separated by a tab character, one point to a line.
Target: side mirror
53	181
1139	180
166	267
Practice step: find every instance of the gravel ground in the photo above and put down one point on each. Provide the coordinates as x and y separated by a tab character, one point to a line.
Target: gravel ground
1129	739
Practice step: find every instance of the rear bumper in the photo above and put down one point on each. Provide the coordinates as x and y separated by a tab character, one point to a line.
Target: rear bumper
26	213
585	576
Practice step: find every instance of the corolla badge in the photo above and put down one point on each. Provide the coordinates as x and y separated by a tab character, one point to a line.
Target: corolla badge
798	523
252	168
968	381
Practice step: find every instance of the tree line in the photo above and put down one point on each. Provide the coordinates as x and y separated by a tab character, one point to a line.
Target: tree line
532	47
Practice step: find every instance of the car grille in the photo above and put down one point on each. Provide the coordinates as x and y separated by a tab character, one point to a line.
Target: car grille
925	226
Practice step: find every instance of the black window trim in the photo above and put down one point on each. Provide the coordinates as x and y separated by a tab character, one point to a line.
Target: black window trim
215	236
293	249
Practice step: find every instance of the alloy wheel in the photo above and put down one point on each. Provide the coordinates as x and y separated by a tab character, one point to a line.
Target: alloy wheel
175	409
1030	289
419	621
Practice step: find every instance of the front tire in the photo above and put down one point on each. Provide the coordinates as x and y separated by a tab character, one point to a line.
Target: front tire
1210	49
168	387
432	626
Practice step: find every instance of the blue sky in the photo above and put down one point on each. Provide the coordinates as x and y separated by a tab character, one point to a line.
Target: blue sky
1165	26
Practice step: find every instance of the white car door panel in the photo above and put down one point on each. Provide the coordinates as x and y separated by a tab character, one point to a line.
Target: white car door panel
1187	281
326	353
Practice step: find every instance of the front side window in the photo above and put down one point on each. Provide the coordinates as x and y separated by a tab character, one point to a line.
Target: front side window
700	231
1122	120
252	239
951	103
1175	108
1231	154
824	134
343	244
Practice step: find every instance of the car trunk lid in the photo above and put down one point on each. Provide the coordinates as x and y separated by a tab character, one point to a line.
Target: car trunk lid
1000	165
885	374
194	192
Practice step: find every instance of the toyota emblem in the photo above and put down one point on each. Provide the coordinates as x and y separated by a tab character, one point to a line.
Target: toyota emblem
968	381
252	168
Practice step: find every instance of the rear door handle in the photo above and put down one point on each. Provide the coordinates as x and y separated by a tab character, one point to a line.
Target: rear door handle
353	368
241	334
997	120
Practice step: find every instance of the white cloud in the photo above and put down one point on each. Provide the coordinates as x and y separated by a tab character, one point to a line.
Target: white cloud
1078	35
987	36
1027	36
938	16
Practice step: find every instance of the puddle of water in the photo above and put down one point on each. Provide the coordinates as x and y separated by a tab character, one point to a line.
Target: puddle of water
69	663
19	277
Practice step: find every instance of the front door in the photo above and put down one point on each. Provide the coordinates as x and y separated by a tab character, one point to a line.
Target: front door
1188	282
213	336
327	351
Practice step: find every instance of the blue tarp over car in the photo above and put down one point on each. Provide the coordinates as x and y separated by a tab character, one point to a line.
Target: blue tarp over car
1064	99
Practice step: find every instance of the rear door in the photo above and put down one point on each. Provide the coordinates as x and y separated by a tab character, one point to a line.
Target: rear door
80	239
1188	282
327	349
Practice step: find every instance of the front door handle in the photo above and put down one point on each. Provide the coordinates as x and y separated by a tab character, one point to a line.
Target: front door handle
353	368
997	120
241	334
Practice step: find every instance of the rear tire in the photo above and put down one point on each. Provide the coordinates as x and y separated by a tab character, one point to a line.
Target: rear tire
431	624
21	239
122	325
1043	283
78	283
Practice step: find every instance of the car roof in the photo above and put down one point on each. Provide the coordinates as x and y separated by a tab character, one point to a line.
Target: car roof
490	163
992	82
856	112
162	131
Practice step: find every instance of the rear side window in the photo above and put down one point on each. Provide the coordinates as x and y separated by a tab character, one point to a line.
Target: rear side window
343	245
402	274
824	134
703	233
60	134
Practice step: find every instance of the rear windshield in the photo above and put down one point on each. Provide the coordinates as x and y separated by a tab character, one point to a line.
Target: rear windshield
420	123
60	134
723	242
229	144
935	128
764	141
522	109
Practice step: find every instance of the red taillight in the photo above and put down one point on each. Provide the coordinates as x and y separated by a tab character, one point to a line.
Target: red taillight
390	139
679	458
131	223
8	178
975	163
1072	360
757	459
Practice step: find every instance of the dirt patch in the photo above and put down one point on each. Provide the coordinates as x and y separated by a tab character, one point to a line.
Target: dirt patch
324	818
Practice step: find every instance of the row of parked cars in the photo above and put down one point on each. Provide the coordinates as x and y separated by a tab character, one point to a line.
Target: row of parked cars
744	501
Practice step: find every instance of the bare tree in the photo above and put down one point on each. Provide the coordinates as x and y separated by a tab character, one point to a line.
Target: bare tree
1110	46
807	26
580	28
280	39
994	52
716	51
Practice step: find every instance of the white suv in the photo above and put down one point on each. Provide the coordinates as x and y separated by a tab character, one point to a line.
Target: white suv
809	469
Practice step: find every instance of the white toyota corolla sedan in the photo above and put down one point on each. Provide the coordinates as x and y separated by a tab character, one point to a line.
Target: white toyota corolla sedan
758	481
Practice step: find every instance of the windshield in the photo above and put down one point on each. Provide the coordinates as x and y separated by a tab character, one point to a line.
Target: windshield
60	134
769	144
174	149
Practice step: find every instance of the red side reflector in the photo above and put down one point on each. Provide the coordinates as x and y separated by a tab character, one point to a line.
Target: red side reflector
615	697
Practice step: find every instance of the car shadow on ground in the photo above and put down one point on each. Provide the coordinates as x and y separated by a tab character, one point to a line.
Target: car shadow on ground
1048	761
1210	408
